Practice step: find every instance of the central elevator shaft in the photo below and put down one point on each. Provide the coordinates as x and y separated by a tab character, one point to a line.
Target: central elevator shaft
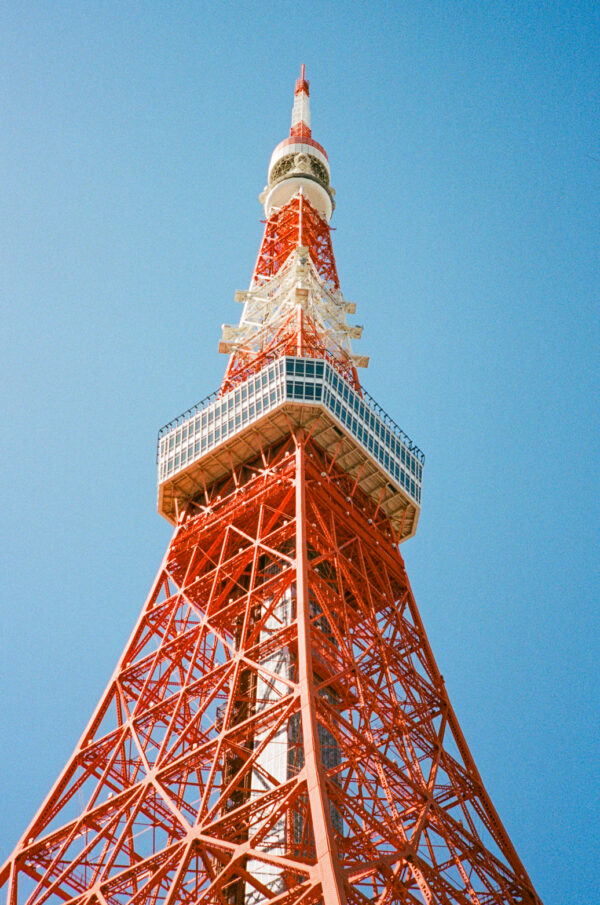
275	759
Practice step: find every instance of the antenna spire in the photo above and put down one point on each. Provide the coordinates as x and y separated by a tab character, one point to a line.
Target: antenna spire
301	109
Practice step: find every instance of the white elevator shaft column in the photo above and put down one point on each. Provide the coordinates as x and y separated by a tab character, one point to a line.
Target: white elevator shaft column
272	764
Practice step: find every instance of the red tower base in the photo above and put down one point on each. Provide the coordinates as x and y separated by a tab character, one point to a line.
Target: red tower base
277	728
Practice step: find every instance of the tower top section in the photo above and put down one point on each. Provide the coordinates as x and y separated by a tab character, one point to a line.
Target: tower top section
300	127
299	162
292	367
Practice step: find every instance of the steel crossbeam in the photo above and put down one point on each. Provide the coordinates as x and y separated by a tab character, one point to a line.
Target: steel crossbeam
169	770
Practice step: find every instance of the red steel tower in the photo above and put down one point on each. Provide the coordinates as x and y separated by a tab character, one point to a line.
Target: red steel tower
277	730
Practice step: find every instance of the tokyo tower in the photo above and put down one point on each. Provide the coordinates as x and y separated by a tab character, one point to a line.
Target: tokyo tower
277	729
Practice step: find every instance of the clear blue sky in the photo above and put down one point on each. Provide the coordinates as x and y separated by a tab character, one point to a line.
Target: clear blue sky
465	151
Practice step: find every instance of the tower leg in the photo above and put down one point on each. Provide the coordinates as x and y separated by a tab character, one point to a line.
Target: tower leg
328	862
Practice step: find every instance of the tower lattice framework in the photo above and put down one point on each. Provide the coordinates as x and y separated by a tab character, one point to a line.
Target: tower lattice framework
277	730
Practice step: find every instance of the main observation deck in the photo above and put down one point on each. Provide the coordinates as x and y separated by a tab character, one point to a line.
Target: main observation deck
203	444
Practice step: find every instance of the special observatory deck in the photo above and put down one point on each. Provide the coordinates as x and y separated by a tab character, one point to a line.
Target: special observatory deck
200	446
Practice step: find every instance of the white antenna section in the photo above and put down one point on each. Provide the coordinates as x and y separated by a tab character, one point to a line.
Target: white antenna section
268	306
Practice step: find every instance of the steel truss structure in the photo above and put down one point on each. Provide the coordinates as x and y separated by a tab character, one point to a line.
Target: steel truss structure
179	804
277	730
295	311
297	223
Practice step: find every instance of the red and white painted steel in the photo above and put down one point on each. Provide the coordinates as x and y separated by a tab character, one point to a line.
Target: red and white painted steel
277	730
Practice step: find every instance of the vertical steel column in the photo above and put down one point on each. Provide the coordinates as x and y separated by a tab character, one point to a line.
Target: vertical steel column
328	864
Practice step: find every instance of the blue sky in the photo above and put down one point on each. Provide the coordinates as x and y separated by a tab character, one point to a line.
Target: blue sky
465	151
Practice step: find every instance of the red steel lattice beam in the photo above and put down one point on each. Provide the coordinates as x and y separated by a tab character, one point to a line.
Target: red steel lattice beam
167	797
297	223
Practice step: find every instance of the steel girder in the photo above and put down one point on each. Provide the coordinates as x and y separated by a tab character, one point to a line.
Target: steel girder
170	795
297	223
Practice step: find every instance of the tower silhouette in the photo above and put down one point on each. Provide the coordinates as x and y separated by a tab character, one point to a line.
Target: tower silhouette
277	729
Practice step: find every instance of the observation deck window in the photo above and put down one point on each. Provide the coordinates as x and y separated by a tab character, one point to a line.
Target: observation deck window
295	379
